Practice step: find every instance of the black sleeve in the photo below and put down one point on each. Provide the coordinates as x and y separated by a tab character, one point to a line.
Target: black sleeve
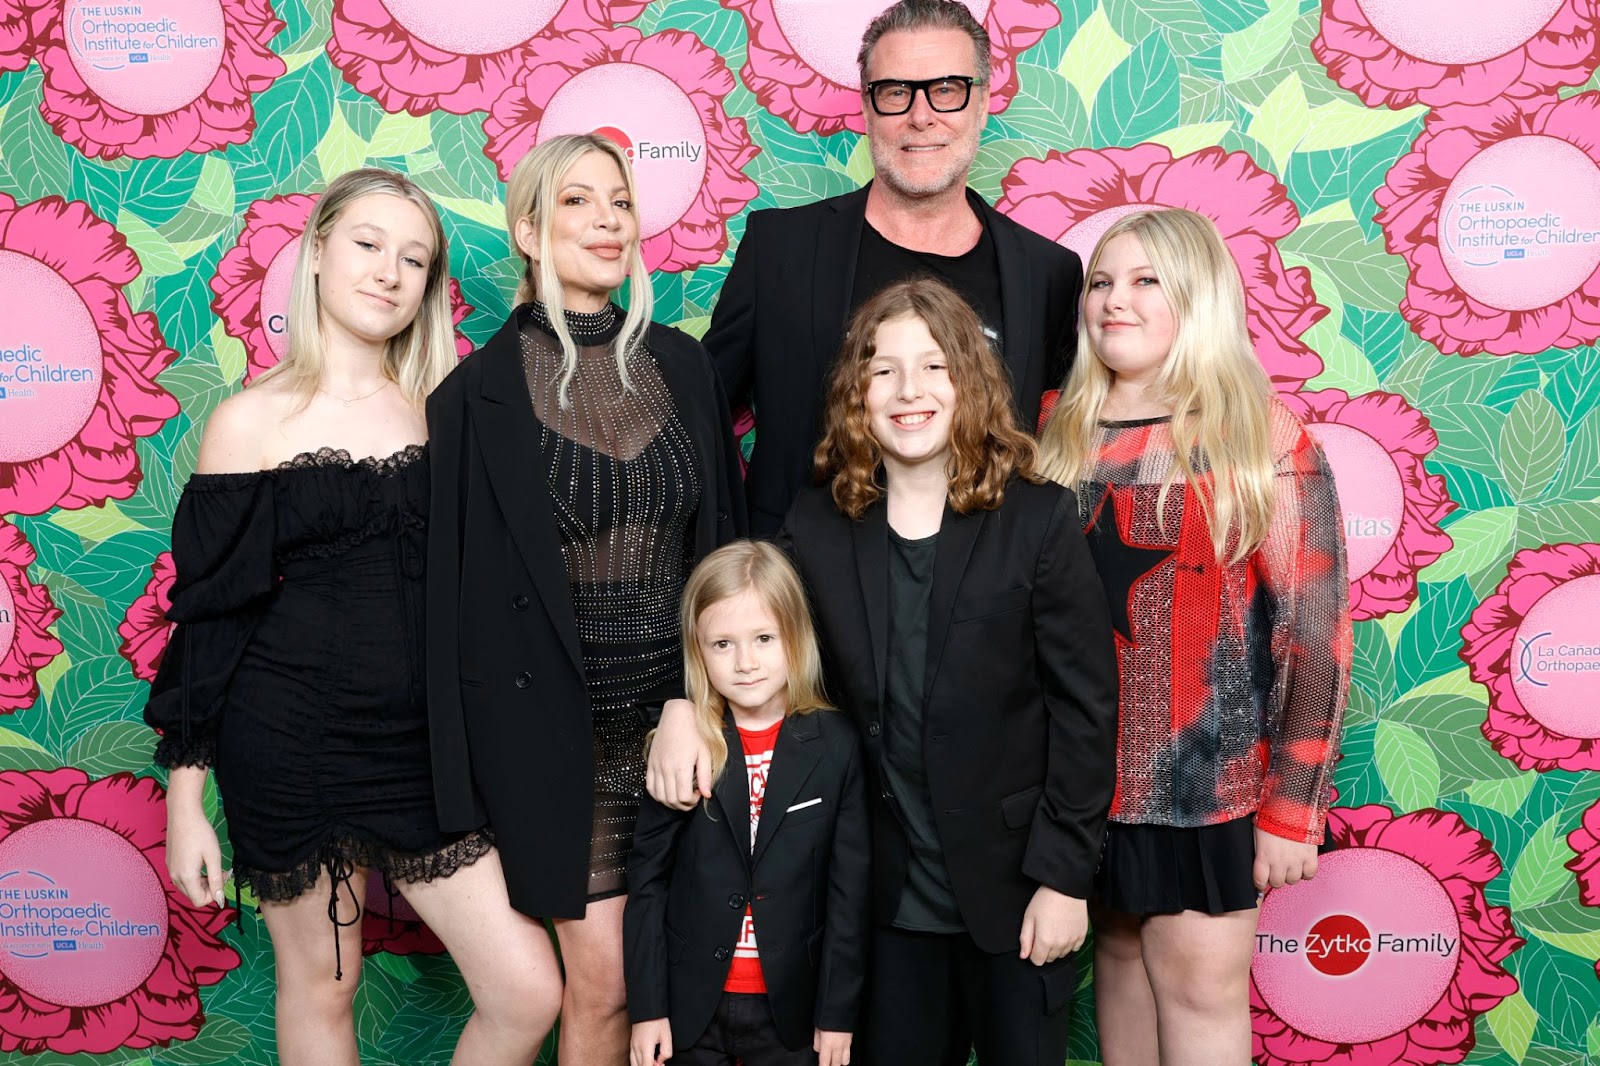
1078	672
1064	345
731	337
842	974
644	916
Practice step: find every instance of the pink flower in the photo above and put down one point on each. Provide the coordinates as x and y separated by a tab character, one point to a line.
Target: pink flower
145	629
1377	444
801	58
1526	643
1496	173
388	923
90	388
197	98
661	98
252	281
103	842
1073	197
1585	843
21	26
421	56
26	613
1382	52
1446	865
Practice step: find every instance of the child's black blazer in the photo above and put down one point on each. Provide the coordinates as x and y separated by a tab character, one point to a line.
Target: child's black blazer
692	872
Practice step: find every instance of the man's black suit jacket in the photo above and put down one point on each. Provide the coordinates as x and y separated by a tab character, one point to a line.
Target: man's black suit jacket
1020	711
781	317
690	878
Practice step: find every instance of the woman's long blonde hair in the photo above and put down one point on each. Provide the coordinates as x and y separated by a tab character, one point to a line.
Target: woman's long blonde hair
531	194
727	572
419	356
1212	381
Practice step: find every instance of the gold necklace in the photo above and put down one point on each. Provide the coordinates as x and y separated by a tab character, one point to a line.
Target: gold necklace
354	399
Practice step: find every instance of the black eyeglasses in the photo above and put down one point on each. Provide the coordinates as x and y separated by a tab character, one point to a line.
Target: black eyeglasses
891	96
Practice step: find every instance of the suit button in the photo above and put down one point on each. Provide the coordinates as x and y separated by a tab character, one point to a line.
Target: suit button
888	795
722	516
524	679
519	602
736	901
873	729
721	954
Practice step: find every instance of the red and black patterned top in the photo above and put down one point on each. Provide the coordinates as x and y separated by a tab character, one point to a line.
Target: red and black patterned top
1233	676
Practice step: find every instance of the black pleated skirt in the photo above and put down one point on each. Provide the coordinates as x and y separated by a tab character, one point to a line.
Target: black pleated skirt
1160	869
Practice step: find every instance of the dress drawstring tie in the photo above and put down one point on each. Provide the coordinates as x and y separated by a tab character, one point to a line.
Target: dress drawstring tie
340	870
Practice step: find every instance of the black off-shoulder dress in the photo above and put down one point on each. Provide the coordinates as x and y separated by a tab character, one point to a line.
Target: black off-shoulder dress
296	669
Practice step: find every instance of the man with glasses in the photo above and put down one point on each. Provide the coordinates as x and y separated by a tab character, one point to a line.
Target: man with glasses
800	272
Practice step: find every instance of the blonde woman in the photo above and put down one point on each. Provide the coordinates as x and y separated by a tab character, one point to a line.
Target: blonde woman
296	667
1212	519
583	463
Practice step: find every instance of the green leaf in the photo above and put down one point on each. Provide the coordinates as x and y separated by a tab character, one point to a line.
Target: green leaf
219	1040
1505	796
1571	522
1366	275
292	116
113	747
214	190
1579	478
1094	53
1469	436
1532	443
400	134
1481	540
95	523
229	354
1513	1020
156	256
994	161
1183	140
1047	110
34	157
459	141
17	752
1539	874
1282	120
1427	646
1247	50
1344	365
1451	726
95	691
1408	766
340	149
1139	98
1341	123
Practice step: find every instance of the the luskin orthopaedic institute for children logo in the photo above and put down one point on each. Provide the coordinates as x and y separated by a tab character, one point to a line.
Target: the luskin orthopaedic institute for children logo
1360	953
149	57
50	360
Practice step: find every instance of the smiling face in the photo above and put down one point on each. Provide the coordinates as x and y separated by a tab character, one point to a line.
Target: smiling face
925	152
911	402
1129	321
372	270
741	644
594	229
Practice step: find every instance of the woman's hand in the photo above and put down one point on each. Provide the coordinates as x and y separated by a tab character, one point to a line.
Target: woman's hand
647	1037
194	855
678	773
833	1049
1282	862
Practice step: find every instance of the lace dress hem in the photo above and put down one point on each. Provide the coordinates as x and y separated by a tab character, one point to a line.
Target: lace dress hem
342	855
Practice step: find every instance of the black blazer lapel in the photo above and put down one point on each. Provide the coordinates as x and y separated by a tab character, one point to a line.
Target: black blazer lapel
508	438
870	537
793	758
958	533
1016	300
732	790
834	274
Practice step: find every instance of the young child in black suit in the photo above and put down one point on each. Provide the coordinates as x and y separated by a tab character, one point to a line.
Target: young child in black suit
778	853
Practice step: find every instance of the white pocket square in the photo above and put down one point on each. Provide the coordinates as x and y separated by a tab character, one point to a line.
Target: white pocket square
803	806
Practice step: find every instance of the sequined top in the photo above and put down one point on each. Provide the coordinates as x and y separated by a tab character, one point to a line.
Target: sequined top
1233	677
625	481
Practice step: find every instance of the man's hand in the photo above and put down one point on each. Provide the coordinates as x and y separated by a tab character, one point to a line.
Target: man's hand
1282	862
833	1049
678	773
647	1037
1053	925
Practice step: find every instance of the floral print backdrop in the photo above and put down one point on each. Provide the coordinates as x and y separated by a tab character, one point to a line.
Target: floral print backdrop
1411	189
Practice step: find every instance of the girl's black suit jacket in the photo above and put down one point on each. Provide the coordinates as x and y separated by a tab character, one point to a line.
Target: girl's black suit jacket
1019	699
507	709
690	878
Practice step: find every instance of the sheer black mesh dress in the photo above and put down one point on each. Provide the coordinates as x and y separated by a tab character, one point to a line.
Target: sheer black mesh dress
296	670
624	478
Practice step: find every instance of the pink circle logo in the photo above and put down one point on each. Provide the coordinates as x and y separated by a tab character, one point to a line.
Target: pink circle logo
473	27
1083	236
826	34
275	297
150	58
668	141
51	364
1362	952
1519	226
1370	493
1457	32
8	621
83	916
1555	667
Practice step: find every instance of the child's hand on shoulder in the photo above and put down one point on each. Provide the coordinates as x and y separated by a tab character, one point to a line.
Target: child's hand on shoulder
647	1037
833	1049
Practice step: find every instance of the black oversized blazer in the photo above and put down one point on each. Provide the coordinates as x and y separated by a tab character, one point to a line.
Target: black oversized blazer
692	873
1020	695
780	320
507	709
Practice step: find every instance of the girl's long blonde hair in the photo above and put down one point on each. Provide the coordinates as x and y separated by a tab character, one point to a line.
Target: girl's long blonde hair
1212	380
531	193
419	356
725	573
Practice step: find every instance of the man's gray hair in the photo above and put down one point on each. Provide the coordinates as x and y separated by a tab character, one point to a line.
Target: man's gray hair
907	15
